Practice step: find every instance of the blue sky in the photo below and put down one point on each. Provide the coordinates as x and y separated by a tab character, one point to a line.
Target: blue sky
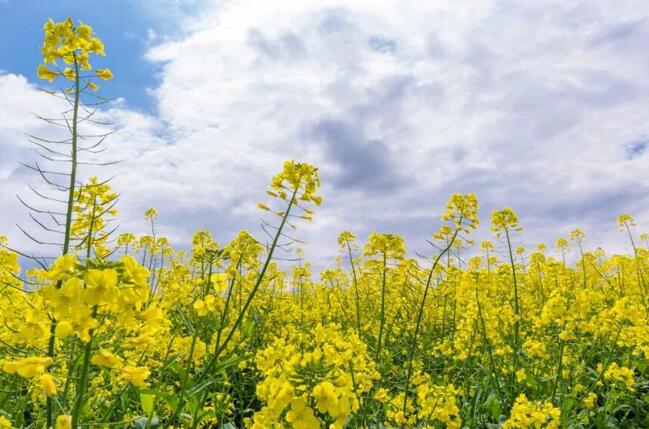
541	106
125	27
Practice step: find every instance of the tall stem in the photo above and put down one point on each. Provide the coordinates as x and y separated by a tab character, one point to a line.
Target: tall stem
68	222
83	381
218	350
383	281
73	163
517	309
642	285
252	294
420	315
357	296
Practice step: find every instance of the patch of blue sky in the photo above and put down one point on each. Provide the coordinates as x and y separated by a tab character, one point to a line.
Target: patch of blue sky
383	44
128	28
634	150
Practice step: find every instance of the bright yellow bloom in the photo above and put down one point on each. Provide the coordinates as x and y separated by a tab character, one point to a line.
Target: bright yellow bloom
62	268
590	399
134	272
29	367
107	359
620	375
201	308
136	375
101	285
64	328
299	178
326	398
48	384
301	415
70	44
104	74
520	375
504	221
45	73
533	415
63	422
390	245
69	73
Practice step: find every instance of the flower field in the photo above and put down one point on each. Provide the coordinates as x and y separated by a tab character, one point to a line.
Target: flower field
122	330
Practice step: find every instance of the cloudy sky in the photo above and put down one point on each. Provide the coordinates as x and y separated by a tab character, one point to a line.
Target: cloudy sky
538	105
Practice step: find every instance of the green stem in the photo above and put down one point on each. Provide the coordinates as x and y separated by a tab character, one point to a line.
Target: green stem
559	369
383	282
517	309
357	296
68	222
218	350
420	315
492	361
253	292
83	380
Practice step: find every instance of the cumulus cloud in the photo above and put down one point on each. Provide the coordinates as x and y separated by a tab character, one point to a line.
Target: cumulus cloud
541	107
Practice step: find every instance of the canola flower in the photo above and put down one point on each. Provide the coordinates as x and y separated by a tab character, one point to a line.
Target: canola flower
130	332
293	356
70	46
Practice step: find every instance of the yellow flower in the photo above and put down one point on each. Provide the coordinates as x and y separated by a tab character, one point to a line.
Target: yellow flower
107	359
104	74
136	375
520	375
69	73
134	272
200	307
72	45
620	375
220	282
526	414
5	423
29	367
381	394
301	178
63	422
48	384
625	221
390	245
64	329
326	398
504	220
151	213
301	415
101	285
62	268
590	399
44	73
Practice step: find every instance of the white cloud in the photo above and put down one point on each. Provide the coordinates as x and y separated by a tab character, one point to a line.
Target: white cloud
399	103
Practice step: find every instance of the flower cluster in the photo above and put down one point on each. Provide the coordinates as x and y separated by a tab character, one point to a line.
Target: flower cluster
72	44
313	379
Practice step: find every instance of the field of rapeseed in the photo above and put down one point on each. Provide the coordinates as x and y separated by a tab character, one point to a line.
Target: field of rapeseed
124	331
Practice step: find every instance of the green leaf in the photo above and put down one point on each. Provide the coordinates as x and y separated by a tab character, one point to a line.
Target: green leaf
493	406
568	404
169	398
147	401
248	328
